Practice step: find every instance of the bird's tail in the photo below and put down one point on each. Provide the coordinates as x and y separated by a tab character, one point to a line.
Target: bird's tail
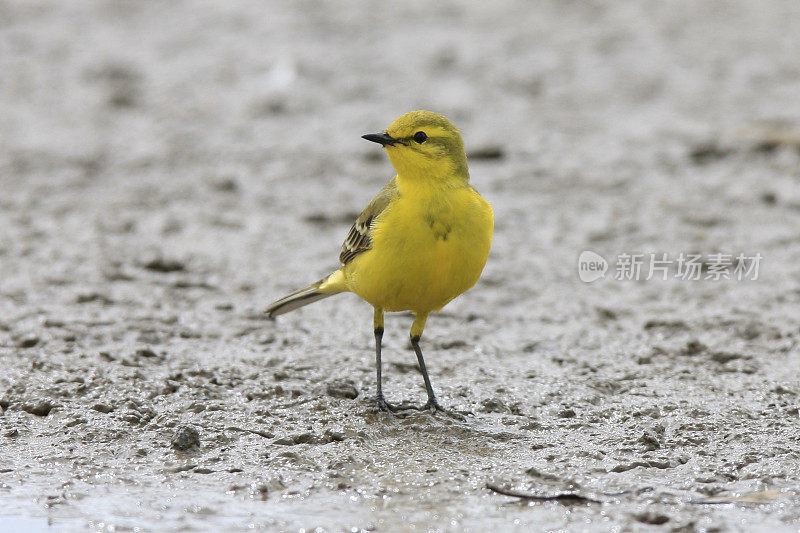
307	295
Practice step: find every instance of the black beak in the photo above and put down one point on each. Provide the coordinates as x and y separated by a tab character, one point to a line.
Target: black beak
380	138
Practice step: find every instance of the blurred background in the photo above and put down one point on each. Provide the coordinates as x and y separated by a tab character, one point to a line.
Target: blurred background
155	119
167	168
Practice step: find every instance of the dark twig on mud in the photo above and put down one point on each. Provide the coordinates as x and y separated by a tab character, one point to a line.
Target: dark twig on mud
563	498
265	434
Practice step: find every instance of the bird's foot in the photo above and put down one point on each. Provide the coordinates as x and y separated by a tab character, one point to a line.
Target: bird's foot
387	407
383	405
434	407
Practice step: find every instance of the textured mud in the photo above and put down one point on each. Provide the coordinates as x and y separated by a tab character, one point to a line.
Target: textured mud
168	168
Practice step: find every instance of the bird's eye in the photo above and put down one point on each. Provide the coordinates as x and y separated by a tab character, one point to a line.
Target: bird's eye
420	137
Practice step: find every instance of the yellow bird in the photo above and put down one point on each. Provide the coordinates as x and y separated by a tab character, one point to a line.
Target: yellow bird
422	241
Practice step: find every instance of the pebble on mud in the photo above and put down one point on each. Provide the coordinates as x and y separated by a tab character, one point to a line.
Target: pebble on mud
769	197
342	388
224	184
668	324
93	297
651	517
708	152
693	347
28	341
488	152
145	352
161	264
185	437
102	408
494	405
652	438
725	357
40	408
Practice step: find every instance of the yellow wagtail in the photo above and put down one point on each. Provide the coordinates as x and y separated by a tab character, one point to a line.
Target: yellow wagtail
422	241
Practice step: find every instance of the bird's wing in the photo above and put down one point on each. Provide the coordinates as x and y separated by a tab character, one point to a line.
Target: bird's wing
358	240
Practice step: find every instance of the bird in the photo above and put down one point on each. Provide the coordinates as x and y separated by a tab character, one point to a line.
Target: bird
423	240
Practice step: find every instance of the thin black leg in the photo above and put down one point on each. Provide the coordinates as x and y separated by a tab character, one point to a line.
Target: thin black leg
432	402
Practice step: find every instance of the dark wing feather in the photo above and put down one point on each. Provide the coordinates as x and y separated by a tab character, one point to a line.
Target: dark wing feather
359	238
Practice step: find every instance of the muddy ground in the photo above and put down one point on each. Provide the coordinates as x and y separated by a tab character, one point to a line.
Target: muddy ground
168	168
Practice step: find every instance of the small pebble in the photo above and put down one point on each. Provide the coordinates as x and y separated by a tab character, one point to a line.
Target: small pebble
494	405
705	153
342	388
161	264
769	198
40	408
651	517
652	438
693	347
487	153
102	408
28	342
185	437
225	184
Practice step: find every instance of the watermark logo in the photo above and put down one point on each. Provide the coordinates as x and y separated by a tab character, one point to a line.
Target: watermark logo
687	267
591	266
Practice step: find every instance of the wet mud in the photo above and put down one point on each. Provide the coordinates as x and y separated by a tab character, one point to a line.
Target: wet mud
169	168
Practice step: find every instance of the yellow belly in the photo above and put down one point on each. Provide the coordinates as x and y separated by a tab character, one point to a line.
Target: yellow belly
425	252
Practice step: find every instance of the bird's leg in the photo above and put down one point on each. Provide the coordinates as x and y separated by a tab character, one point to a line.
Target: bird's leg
416	332
383	405
433	403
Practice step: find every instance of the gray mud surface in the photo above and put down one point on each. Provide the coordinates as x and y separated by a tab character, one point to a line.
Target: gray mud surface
168	168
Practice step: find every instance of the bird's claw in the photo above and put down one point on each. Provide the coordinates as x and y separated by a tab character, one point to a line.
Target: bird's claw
400	410
383	405
387	407
434	407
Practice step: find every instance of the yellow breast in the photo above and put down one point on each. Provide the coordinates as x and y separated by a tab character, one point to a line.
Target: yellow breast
427	249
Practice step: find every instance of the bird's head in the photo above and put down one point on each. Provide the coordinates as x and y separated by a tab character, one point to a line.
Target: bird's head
424	144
